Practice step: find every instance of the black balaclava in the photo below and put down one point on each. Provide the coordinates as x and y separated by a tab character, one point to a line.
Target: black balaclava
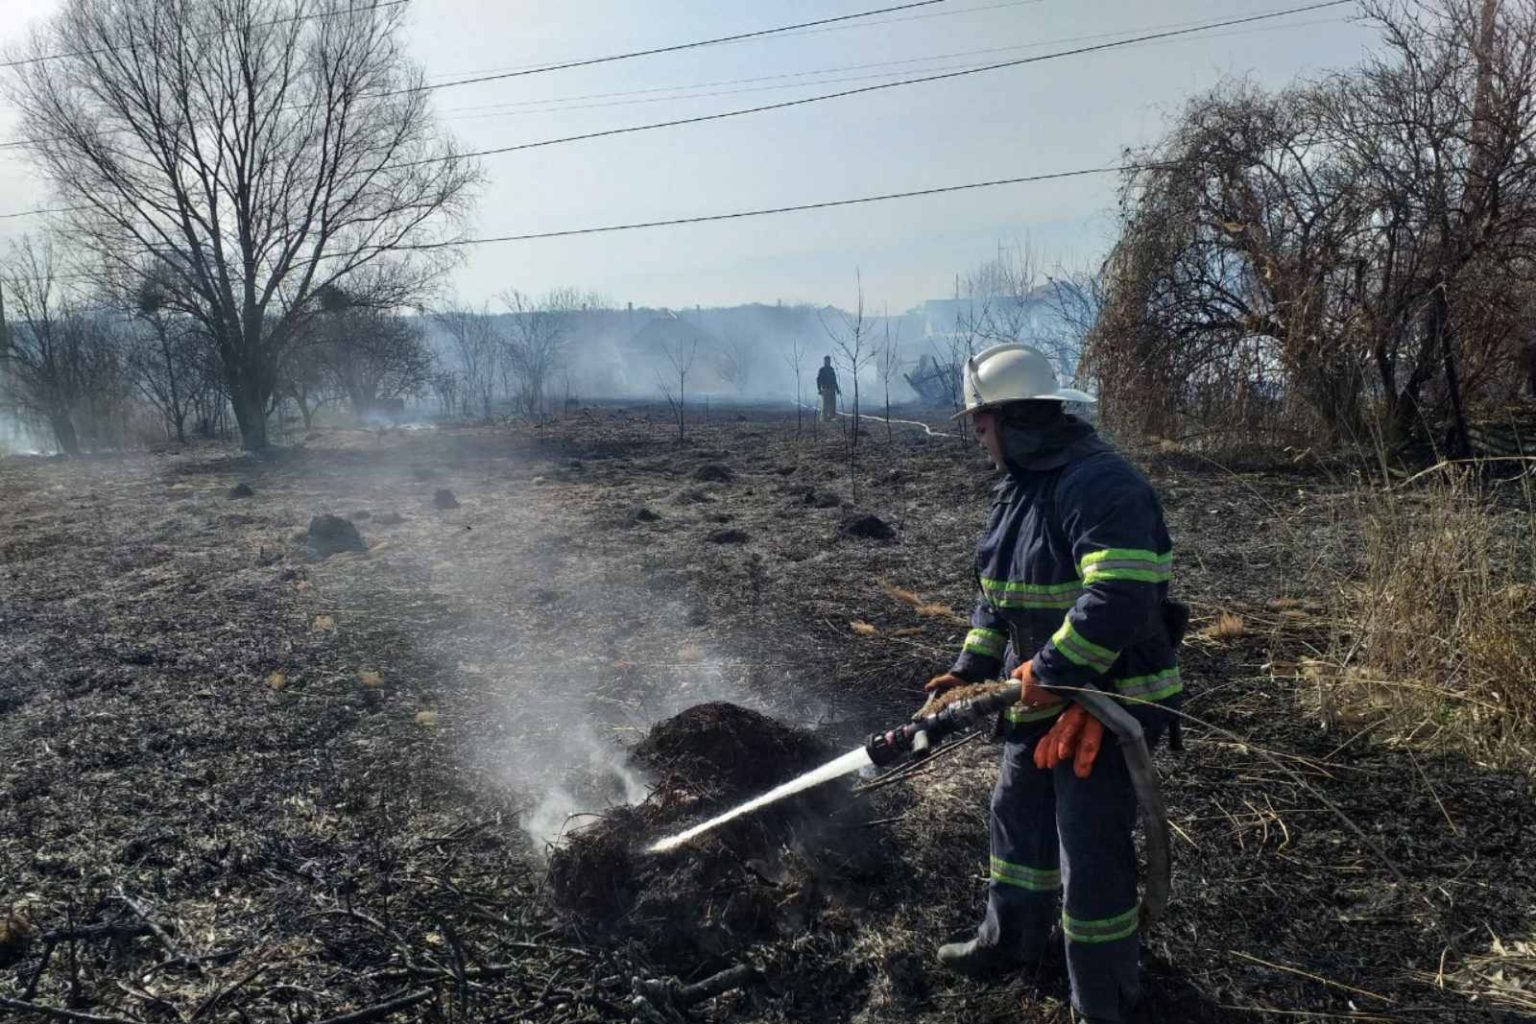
1037	434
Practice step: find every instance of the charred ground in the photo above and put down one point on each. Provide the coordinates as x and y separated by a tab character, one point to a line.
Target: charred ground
239	782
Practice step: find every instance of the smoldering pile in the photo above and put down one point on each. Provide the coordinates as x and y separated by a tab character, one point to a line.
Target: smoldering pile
765	876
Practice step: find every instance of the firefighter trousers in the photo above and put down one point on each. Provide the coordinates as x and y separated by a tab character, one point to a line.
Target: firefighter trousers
1063	848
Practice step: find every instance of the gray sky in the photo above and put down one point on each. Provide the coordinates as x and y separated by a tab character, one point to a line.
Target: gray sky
1056	115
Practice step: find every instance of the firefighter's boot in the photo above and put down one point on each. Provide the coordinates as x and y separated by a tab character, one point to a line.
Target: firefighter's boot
976	960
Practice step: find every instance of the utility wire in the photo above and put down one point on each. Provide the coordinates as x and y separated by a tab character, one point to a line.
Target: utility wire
377	6
589	61
620	97
923	79
38	213
563	105
890	85
633	97
827	204
789	33
768	211
539	69
836	69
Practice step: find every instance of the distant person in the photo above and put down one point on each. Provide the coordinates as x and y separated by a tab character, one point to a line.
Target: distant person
826	386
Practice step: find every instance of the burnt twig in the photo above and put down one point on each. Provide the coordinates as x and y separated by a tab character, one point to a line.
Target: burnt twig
59	1013
381	1009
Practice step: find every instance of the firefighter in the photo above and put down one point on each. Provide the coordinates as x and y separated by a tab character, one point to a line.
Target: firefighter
826	386
1073	568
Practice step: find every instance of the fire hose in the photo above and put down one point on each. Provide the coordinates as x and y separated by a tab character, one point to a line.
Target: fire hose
915	738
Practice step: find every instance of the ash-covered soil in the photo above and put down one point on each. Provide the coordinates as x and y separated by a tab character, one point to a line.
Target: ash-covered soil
240	780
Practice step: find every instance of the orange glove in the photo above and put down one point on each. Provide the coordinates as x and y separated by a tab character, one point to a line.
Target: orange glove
938	689
1031	693
1075	734
947	681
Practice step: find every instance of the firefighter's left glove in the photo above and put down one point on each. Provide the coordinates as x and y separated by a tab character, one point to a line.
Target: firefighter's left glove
938	689
1031	693
1075	735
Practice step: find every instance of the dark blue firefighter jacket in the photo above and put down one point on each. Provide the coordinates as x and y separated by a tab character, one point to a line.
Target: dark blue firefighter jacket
1074	568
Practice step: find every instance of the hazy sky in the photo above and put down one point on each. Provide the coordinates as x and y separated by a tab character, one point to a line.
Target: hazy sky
1056	115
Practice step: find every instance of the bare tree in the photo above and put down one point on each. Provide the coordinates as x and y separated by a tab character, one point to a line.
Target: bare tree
378	358
796	360
1076	299
43	345
851	338
305	377
445	386
538	333
258	149
679	350
477	350
1353	248
887	363
1005	294
736	360
160	356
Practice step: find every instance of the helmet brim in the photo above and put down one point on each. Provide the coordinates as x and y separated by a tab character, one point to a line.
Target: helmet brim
1059	395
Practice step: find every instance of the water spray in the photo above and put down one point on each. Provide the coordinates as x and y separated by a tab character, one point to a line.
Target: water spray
882	749
916	737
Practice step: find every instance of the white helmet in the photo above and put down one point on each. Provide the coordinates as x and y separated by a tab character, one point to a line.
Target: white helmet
1012	373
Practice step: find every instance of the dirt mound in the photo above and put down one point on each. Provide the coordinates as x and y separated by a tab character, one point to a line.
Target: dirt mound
759	878
866	527
444	499
736	748
389	519
331	535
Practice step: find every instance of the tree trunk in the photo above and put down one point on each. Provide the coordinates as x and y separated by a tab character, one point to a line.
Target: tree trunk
64	431
1458	443
250	415
1530	364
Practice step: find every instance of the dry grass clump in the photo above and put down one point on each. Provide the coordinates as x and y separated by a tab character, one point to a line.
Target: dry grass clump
1504	976
1226	626
1442	623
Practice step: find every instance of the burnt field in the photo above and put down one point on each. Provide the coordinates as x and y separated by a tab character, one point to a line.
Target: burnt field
242	782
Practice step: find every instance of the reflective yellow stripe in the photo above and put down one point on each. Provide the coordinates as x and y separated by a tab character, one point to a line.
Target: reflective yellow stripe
1126	564
1082	652
988	583
1034	879
986	642
1104	929
1156	686
1013	594
1019	713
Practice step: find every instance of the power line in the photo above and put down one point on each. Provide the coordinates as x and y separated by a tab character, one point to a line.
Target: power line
373	6
767	211
890	85
574	102
540	69
737	37
38	213
1179	29
679	93
800	207
923	79
791	33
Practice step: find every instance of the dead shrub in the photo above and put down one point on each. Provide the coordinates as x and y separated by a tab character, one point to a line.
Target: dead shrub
1441	622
